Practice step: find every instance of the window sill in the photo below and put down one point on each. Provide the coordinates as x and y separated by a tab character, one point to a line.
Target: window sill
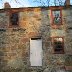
14	26
62	52
68	67
56	26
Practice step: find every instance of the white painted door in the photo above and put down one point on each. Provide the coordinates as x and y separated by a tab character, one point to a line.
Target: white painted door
36	52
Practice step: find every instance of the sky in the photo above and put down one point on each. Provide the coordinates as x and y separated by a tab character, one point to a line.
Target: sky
26	3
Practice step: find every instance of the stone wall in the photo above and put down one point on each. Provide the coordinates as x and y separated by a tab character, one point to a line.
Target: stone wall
68	23
15	41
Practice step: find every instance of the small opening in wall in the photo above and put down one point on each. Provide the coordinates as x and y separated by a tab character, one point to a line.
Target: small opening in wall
56	17
58	45
14	18
35	38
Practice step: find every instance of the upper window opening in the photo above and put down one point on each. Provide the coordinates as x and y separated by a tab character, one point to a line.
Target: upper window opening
56	17
14	19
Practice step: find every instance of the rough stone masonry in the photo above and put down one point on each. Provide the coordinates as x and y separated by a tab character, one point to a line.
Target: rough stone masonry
34	23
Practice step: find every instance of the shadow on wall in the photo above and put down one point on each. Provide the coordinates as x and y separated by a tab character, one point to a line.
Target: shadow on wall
3	61
68	60
53	69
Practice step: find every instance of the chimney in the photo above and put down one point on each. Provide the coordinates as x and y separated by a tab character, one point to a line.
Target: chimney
67	2
7	5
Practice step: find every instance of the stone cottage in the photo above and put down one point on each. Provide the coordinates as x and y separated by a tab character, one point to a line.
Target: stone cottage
36	39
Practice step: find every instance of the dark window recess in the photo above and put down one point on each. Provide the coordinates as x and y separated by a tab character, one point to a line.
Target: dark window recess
14	18
58	45
35	38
